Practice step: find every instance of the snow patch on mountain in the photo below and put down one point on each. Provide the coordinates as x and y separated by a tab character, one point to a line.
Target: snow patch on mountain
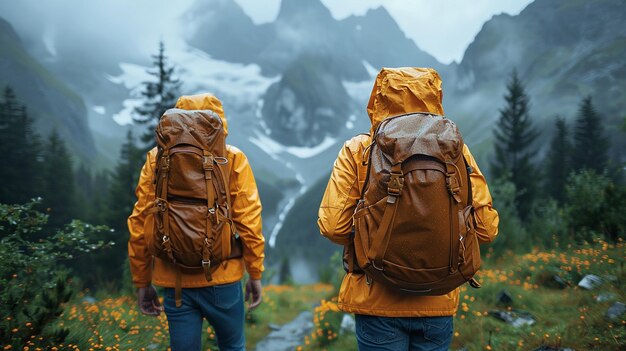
240	84
273	147
360	91
99	110
350	122
283	215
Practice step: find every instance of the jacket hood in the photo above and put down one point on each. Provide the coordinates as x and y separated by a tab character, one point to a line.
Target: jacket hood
404	90
203	102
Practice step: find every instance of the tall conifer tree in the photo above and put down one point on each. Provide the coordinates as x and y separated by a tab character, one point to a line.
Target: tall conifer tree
120	201
558	161
590	144
159	95
514	138
121	197
19	152
59	195
101	188
84	194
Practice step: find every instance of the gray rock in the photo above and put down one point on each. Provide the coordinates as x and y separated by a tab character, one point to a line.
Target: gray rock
348	324
273	326
516	318
605	296
89	299
616	311
559	282
590	282
289	336
548	348
504	298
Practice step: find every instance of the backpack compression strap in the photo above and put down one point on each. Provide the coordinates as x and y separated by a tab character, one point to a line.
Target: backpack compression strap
207	165
163	205
224	192
381	239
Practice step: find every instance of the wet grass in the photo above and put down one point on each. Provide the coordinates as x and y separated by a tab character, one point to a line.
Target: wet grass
565	318
570	317
114	323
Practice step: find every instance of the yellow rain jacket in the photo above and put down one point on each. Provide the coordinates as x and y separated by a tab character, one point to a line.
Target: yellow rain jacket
396	91
246	213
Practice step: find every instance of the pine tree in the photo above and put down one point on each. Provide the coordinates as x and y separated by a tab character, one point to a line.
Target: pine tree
159	95
121	196
590	144
514	138
19	152
558	161
284	274
84	193
101	188
119	205
59	193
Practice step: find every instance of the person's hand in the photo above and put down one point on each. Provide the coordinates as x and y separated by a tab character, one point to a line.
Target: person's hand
254	292
149	301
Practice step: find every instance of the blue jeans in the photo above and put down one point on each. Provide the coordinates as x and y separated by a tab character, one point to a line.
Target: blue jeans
403	333
221	305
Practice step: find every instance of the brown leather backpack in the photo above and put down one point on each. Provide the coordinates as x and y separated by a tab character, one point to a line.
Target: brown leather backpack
414	224
193	228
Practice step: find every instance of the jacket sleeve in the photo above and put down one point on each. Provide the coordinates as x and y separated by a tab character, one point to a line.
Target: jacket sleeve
246	213
486	216
340	198
139	258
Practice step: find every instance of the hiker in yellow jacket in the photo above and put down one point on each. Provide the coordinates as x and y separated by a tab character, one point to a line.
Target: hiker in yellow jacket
377	308
221	300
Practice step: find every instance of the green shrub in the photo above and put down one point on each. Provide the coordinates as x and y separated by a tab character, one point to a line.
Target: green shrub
595	206
547	227
512	234
34	284
333	272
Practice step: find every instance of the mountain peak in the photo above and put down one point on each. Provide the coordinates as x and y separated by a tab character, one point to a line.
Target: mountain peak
292	8
7	30
379	12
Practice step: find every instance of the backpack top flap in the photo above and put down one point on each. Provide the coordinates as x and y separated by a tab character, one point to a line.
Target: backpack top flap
199	128
185	138
403	136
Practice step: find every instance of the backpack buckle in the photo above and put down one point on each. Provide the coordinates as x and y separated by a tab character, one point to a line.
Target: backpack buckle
452	183
161	205
207	163
396	182
206	264
165	166
221	160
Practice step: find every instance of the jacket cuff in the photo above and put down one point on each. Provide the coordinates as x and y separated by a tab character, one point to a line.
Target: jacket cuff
255	275
142	285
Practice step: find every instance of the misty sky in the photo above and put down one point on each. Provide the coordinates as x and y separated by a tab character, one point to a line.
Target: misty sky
442	28
457	21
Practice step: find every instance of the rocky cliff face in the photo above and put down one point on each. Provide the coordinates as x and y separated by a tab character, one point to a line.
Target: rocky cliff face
307	105
49	101
562	50
306	28
210	20
379	40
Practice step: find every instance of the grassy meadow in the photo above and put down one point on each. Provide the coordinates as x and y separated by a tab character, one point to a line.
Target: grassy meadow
566	316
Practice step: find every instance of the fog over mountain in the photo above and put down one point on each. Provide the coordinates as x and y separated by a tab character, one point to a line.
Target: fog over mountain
48	100
296	87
